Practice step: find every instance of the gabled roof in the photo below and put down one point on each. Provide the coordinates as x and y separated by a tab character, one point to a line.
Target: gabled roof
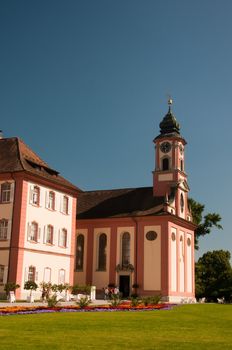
16	156
118	203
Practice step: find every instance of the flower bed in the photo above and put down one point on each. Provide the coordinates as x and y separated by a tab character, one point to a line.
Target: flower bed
23	310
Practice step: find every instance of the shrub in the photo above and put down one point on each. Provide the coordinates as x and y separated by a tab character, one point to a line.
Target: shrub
46	290
83	302
52	301
154	300
11	287
115	300
146	300
135	302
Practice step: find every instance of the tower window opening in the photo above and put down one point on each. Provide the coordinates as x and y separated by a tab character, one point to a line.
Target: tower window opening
181	165
165	163
181	202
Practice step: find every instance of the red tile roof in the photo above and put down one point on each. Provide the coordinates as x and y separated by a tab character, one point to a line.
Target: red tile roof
16	156
119	203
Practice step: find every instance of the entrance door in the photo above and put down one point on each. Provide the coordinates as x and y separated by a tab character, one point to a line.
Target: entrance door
124	286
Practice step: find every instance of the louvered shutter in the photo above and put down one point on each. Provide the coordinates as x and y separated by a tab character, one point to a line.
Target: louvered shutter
12	186
44	234
41	197
39	234
28	231
26	274
61	203
56	201
9	229
46	199
5	274
31	194
69	205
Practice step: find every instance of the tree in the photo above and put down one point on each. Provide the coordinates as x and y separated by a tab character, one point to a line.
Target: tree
204	224
30	285
214	275
11	287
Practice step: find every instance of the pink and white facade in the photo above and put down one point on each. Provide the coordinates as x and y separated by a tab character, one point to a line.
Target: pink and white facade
147	233
39	220
140	239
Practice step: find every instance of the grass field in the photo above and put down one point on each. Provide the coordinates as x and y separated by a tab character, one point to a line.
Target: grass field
206	326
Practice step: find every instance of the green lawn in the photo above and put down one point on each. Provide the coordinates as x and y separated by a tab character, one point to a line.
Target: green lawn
206	326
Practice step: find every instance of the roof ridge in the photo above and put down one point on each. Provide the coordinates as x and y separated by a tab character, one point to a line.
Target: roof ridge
118	189
19	153
31	150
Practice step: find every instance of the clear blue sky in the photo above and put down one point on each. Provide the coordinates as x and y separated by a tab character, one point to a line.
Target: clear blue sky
84	83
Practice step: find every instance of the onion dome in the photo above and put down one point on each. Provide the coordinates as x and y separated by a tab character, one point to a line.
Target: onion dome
169	124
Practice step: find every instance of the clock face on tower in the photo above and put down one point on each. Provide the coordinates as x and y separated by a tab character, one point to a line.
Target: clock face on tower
165	147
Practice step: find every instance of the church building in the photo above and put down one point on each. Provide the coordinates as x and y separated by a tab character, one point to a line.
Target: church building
140	239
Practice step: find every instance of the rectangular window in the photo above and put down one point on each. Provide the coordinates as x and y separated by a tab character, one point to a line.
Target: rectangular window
33	231
51	200
63	238
49	234
47	274
3	229
5	192
65	205
1	274
61	276
31	274
35	195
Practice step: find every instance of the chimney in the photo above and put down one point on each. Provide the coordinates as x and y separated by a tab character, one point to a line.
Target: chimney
1	134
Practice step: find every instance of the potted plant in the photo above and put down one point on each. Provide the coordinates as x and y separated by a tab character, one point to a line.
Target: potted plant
30	285
10	289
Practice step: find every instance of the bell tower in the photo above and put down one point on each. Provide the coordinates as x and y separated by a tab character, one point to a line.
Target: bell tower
169	176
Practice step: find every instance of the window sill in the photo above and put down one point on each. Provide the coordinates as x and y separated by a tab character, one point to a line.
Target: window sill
4	239
32	241
62	246
49	244
50	209
35	205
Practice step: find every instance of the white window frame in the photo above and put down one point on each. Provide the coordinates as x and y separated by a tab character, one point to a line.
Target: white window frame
4	227
63	238
6	193
49	235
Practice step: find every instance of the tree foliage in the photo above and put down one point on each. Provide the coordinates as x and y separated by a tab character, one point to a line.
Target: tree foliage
213	274
204	223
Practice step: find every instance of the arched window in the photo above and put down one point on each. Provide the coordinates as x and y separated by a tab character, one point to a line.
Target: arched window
61	279
80	252
49	234
51	200
35	195
33	232
102	242
165	163
181	202
31	274
125	249
63	238
47	274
